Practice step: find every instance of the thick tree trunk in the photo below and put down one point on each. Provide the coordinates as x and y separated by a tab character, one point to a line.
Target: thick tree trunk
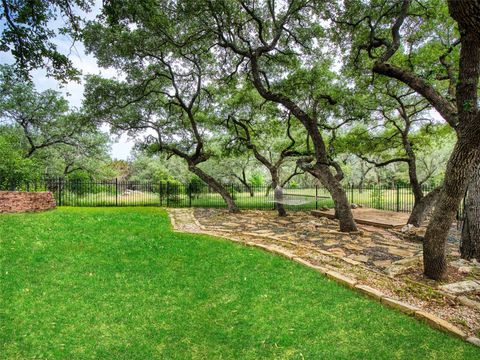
466	154
464	158
280	208
470	242
343	212
321	170
422	207
216	186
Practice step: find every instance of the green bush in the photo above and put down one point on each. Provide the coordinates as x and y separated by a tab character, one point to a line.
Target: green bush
376	197
196	187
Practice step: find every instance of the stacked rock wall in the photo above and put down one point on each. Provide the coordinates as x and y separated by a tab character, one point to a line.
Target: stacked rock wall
16	201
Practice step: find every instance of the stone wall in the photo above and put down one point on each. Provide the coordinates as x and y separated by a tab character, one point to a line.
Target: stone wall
17	201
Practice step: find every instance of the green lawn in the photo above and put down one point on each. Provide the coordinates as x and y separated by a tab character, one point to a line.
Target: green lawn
117	283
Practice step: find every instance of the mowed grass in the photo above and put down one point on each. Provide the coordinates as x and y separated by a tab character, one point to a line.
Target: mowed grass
117	283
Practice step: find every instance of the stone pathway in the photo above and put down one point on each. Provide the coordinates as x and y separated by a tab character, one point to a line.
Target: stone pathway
373	257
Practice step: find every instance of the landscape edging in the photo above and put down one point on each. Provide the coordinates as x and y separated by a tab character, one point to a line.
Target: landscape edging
428	318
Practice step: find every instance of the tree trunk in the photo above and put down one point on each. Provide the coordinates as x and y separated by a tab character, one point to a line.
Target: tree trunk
216	186
360	185
244	181
343	212
422	207
267	192
275	181
248	187
464	158
321	169
470	242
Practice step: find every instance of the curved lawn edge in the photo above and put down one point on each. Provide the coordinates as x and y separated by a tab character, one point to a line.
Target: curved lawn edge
344	280
118	283
426	317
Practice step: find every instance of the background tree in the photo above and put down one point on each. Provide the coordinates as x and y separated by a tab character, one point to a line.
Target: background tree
27	33
89	154
272	42
260	128
167	91
44	117
399	127
44	135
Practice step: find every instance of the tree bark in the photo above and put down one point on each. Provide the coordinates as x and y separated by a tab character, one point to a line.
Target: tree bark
466	154
422	207
267	192
462	116
245	183
216	186
275	182
464	158
342	206
321	169
470	241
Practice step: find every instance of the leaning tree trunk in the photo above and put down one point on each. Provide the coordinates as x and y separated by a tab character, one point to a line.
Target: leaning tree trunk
470	241
343	211
216	186
423	206
248	187
245	183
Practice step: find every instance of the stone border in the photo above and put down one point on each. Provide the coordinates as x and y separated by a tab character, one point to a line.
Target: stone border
172	220
351	283
458	298
412	311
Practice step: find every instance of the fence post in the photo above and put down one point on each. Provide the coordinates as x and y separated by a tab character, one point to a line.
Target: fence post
59	192
351	193
168	192
398	197
116	191
160	192
189	189
316	196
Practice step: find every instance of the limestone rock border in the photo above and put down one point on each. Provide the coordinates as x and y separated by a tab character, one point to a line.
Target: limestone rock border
430	319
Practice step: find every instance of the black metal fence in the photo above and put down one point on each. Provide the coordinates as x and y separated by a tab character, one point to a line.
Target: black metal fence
175	194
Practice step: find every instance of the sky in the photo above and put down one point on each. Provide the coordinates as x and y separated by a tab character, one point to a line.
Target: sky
73	91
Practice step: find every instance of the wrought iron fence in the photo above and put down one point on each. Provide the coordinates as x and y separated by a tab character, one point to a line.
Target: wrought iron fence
174	194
